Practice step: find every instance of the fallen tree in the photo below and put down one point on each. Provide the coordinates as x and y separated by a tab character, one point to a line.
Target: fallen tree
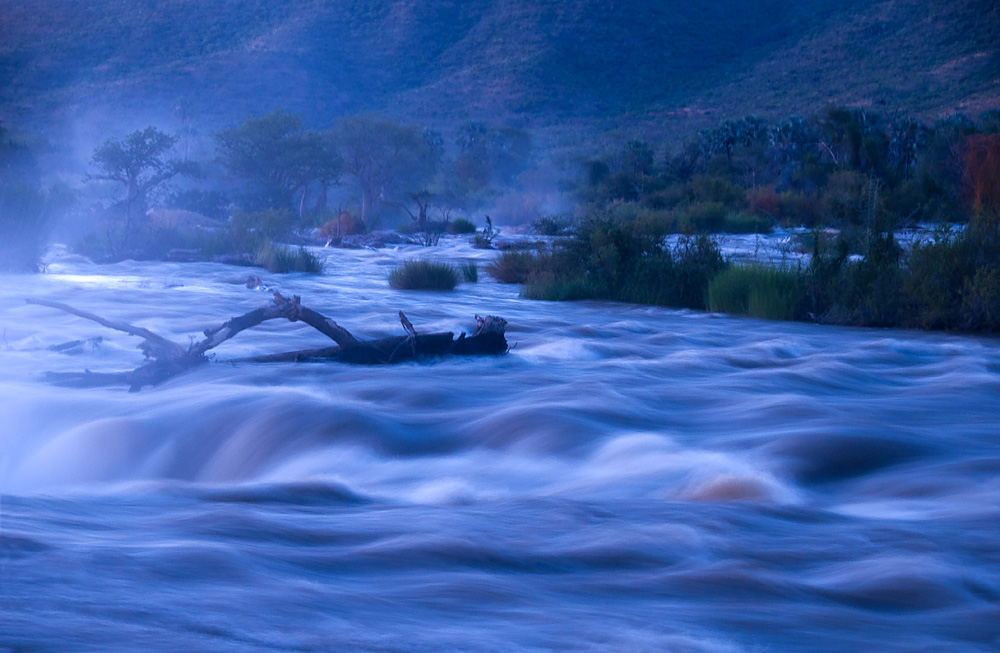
165	358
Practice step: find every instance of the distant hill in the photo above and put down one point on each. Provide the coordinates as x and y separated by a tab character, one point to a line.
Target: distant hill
567	68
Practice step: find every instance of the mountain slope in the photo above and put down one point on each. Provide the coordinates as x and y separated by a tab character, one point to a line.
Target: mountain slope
589	64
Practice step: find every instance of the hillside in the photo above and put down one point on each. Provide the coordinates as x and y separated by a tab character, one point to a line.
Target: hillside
576	66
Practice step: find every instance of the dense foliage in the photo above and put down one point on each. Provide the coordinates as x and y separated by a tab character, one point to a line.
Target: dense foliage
853	169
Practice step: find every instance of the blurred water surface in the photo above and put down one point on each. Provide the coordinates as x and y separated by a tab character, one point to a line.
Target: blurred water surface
627	478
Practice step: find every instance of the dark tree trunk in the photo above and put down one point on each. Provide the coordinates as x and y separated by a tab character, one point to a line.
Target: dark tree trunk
166	358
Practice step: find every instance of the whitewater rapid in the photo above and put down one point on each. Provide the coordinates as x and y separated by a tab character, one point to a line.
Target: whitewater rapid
627	478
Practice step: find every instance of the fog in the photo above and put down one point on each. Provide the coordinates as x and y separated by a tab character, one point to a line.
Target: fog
748	262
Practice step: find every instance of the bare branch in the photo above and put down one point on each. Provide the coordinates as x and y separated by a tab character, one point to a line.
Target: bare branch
156	346
170	359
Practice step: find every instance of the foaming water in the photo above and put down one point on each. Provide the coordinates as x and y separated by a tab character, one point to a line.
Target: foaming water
627	478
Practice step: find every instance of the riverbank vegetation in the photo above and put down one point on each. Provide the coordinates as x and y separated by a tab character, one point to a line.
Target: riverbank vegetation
638	225
950	280
853	177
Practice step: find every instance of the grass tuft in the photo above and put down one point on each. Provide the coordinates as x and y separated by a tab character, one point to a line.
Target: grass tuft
470	272
512	267
279	259
423	275
756	291
461	226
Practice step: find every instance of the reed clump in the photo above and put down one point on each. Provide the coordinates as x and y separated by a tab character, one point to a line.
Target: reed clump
423	275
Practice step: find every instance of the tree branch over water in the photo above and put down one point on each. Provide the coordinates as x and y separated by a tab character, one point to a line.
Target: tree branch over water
166	359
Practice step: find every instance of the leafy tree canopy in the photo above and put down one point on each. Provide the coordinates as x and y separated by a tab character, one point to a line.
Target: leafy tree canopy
386	158
278	157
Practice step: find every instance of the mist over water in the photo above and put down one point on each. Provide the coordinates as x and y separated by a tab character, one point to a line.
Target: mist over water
626	478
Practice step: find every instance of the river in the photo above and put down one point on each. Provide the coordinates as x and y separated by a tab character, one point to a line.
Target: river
627	478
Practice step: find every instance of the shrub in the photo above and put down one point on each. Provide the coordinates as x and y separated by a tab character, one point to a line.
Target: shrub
704	188
608	259
547	287
764	201
661	222
706	217
665	198
552	225
982	171
279	259
950	281
430	234
461	226
757	291
470	272
334	229
795	207
513	267
843	197
865	292
696	260
423	275
741	223
981	300
485	239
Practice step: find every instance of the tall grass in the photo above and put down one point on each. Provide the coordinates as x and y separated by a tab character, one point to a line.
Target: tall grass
756	291
470	272
461	226
423	275
512	267
279	259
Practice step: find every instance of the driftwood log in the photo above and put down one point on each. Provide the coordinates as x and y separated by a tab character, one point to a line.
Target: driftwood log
165	358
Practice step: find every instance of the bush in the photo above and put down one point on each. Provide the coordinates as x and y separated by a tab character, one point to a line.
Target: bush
795	207
485	239
547	287
764	201
513	267
843	197
334	229
862	293
981	300
608	259
696	260
950	281
706	217
757	291
279	259
741	223
552	225
461	226
704	188
666	198
423	275
428	234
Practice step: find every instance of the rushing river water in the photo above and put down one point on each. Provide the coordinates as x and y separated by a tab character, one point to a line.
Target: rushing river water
625	479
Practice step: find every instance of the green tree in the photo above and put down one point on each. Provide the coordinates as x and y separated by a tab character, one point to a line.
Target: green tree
490	155
385	158
140	164
279	159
